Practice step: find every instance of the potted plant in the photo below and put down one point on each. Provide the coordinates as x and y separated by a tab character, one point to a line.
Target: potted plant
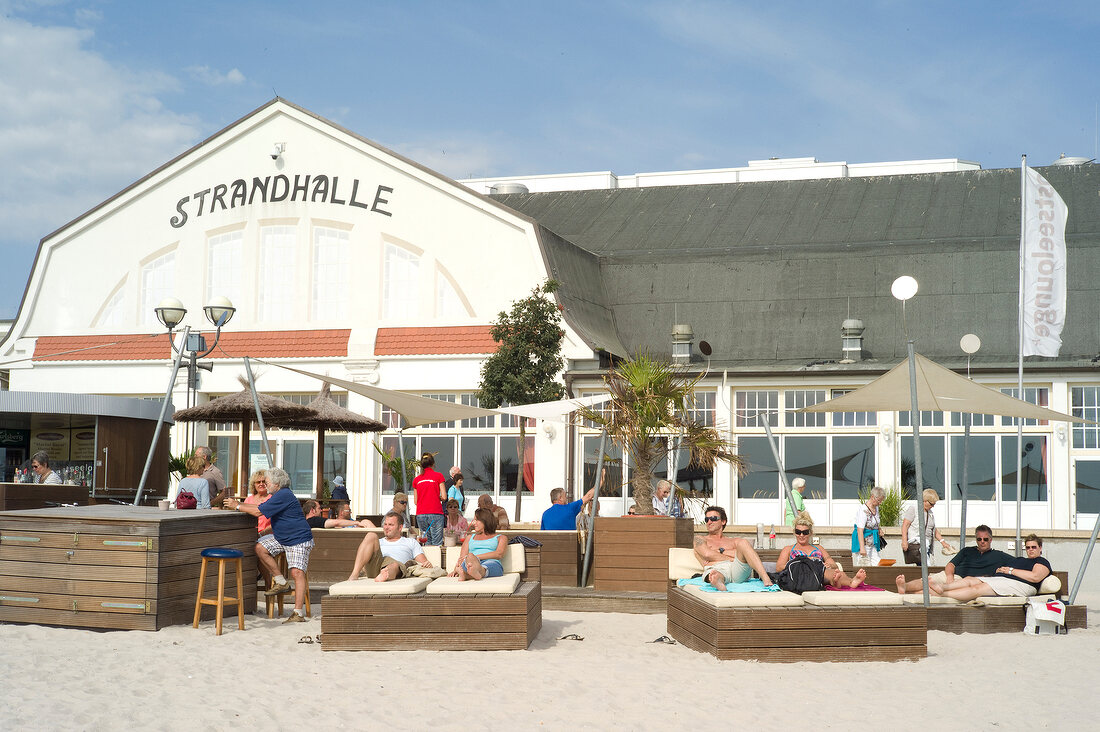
650	403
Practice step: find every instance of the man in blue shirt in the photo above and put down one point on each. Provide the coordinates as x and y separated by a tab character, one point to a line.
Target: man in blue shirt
290	533
562	515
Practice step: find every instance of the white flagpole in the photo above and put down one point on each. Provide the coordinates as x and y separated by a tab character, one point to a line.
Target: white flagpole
1020	362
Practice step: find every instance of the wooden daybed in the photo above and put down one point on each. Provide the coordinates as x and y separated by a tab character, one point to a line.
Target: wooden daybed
412	614
782	626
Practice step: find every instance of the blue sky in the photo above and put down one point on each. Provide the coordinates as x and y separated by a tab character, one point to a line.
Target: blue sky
95	94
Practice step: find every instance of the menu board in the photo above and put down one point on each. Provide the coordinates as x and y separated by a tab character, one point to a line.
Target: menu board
54	442
82	443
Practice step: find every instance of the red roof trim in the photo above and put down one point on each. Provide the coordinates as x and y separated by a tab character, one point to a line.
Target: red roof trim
448	340
138	347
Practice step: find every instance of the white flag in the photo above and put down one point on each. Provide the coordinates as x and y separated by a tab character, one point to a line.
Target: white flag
1043	260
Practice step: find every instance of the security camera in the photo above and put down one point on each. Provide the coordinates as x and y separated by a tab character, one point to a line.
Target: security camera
277	150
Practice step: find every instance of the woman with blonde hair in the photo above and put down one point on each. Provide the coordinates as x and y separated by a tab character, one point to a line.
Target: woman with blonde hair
803	546
911	545
257	494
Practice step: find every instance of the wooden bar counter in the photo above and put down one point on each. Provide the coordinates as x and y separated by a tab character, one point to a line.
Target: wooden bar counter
116	567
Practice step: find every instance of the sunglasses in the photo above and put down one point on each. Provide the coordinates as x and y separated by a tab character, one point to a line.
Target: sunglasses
711	519
402	501
983	538
804	532
1029	548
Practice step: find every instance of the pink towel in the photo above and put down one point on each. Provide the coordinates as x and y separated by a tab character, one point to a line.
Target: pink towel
865	586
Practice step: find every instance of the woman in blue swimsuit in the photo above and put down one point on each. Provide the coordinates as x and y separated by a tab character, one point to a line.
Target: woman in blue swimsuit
482	550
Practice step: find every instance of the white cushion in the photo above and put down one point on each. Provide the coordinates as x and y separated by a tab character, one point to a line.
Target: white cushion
682	563
746	599
367	586
830	598
514	560
505	585
917	598
1050	586
434	555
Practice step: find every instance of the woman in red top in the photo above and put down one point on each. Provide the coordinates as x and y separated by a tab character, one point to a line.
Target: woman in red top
430	494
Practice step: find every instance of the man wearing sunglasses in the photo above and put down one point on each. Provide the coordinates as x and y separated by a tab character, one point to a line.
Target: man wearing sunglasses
981	560
726	560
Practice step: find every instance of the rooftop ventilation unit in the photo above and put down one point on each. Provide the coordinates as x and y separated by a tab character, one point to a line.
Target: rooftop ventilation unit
851	331
682	338
502	188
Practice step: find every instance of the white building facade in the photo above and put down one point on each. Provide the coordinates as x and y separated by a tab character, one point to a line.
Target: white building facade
346	259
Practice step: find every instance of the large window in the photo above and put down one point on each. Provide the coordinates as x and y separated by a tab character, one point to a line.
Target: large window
158	281
750	406
1038	395
1085	401
981	471
612	467
1088	486
795	399
933	465
225	268
447	302
400	283
479	465
331	273
1033	468
509	465
703	408
852	419
114	312
277	273
846	463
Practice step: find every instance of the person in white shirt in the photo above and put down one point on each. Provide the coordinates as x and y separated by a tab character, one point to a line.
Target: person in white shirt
40	464
664	504
910	530
386	558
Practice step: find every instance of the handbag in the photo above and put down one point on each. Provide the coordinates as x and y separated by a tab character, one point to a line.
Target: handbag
186	499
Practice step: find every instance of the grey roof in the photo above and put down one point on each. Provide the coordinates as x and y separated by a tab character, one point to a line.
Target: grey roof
766	272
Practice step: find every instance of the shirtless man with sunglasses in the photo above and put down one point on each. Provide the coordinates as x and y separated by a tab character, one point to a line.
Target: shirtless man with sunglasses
726	560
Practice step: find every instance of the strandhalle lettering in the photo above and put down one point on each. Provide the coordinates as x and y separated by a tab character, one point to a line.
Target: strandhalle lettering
316	188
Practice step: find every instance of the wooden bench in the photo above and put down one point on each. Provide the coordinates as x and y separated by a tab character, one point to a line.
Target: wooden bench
806	633
432	622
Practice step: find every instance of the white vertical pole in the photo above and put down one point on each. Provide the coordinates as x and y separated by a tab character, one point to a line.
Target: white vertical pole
1020	361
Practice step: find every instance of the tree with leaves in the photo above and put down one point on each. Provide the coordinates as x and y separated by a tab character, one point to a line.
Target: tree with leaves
525	367
650	403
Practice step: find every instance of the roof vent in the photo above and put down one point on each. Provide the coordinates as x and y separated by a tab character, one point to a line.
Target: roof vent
1064	159
851	331
502	188
682	338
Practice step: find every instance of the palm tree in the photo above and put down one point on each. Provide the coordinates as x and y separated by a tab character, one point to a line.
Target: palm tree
649	401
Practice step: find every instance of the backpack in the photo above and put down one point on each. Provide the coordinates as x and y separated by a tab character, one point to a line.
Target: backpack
186	499
801	574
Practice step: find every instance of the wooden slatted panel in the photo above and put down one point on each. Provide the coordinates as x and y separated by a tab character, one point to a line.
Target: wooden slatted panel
433	622
73	587
51	539
631	552
798	634
79	619
22	553
87	604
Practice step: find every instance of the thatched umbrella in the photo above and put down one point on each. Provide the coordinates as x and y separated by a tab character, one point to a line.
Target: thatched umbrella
240	407
325	414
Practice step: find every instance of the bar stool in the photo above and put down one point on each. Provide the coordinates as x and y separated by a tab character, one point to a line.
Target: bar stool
273	600
221	555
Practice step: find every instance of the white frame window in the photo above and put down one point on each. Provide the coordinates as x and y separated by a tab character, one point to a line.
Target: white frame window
158	281
400	282
276	276
331	273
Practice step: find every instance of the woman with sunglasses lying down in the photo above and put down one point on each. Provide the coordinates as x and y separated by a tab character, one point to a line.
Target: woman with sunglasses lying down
802	547
1019	577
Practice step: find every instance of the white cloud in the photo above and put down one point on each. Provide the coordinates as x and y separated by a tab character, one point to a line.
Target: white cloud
74	128
212	77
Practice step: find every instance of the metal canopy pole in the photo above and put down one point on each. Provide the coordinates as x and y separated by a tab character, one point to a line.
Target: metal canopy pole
915	419
595	503
1085	561
160	420
782	468
966	477
259	415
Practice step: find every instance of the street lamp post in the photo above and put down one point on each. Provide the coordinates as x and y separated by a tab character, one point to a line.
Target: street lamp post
902	289
171	312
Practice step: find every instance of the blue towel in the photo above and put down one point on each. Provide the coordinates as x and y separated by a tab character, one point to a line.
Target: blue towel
753	585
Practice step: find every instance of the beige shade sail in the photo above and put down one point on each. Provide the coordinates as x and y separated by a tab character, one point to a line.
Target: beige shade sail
416	410
938	390
554	411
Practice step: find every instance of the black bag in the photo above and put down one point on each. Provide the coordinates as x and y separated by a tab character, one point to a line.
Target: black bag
801	574
881	541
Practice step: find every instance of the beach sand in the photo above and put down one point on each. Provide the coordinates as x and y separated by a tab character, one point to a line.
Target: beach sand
181	678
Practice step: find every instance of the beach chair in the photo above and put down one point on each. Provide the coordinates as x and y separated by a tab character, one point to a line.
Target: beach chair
783	626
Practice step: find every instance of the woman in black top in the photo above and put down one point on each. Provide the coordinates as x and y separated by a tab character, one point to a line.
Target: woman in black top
1021	577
